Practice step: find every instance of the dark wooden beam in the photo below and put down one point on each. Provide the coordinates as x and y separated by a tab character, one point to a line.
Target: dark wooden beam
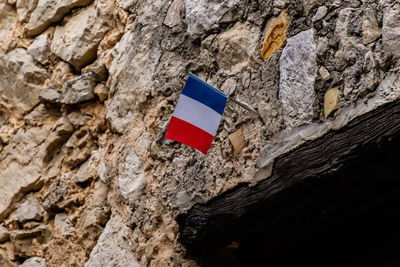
246	210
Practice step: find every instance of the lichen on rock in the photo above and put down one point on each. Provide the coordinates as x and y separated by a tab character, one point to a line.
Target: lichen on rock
275	34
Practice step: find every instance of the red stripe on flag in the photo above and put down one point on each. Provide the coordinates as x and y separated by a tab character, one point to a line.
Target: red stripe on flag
188	134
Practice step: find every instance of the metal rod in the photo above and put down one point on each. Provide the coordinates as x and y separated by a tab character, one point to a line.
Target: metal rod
243	105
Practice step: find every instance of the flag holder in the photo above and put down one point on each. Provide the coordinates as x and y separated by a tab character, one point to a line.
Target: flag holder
245	106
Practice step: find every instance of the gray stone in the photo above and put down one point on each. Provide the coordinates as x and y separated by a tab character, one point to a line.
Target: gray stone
23	234
7	19
34	262
285	141
371	30
78	119
4	234
24	240
99	71
324	73
298	69
369	61
281	3
76	41
350	44
320	14
79	90
50	11
50	96
25	8
126	4
21	166
237	47
40	49
82	175
136	58
391	29
21	81
62	221
229	86
79	147
202	15
60	133
30	210
370	81
131	176
59	188
106	171
173	17
113	247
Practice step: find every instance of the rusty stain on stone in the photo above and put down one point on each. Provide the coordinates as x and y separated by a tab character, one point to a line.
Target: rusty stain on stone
237	141
275	34
331	101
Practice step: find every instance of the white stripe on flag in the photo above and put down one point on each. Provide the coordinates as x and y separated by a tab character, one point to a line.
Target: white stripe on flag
198	114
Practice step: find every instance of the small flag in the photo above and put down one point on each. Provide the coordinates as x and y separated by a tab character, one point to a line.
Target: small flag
197	115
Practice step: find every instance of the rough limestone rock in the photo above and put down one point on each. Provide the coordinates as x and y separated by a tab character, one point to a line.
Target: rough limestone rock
371	29
30	210
78	119
320	14
34	262
79	90
5	262
47	12
51	96
82	175
391	29
25	8
59	190
87	89
101	92
76	42
7	20
173	17
4	235
24	240
202	15
40	49
21	166
21	81
106	171
113	248
298	69
131	176
132	53
62	221
237	46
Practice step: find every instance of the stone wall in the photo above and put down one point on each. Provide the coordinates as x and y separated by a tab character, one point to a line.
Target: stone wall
87	89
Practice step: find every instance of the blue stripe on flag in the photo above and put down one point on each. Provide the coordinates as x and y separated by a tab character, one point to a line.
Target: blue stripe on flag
205	93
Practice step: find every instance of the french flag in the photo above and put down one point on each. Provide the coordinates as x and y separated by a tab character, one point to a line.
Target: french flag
197	115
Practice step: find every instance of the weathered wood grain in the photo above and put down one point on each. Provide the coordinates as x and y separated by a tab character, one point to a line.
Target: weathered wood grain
247	210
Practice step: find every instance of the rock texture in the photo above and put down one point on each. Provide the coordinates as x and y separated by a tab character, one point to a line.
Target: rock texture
34	262
275	35
298	68
79	90
76	41
87	89
30	210
47	12
113	249
203	15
